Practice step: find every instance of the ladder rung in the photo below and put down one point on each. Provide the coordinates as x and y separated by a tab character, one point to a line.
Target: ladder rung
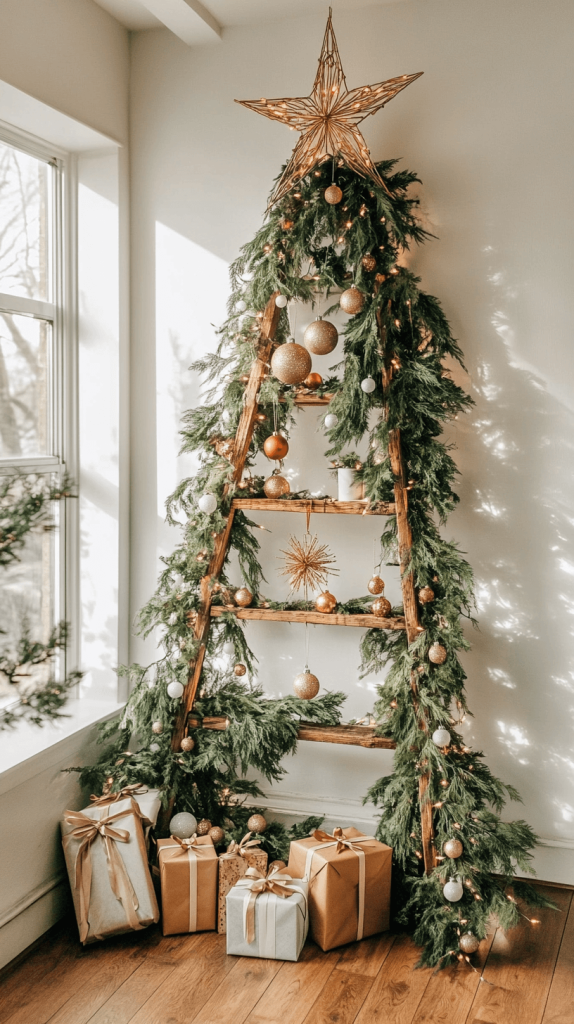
316	505
317	618
351	735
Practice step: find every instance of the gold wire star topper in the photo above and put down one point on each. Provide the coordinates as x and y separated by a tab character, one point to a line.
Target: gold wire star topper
328	118
307	563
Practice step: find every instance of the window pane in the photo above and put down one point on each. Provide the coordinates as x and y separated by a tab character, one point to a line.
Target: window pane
25	347
24	224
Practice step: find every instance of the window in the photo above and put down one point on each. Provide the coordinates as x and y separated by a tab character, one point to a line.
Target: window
34	405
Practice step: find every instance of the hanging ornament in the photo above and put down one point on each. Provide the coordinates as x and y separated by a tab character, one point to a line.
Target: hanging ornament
331	420
441	737
239	669
203	827
326	603
276	486
207	503
157	727
333	194
243	597
216	834
437	654
453	848
376	585
352	300
321	337
281	301
368	262
368	385
229	648
313	381
256	823
290	363
426	595
307	563
175	690
275	447
154	748
187	744
306	685
468	943
183	825
381	607
453	890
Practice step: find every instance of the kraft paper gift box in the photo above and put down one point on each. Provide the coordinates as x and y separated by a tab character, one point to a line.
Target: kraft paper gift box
349	877
188	877
232	866
267	916
106	858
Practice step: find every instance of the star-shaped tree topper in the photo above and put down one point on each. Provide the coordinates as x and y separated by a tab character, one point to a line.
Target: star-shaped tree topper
328	118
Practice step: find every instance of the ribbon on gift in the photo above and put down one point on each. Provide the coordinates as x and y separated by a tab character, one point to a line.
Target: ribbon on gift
131	791
240	849
338	839
276	883
86	830
191	848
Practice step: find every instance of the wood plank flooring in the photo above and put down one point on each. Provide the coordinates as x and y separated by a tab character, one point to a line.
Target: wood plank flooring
528	977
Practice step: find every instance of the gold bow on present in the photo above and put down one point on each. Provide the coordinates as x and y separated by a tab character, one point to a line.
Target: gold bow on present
107	797
190	845
274	881
240	849
338	838
86	831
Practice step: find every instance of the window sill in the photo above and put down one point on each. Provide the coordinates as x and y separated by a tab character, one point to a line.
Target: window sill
28	750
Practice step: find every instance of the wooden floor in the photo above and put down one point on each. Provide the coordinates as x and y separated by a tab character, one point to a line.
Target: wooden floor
145	979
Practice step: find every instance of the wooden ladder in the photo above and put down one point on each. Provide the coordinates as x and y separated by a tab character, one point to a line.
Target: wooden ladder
330	734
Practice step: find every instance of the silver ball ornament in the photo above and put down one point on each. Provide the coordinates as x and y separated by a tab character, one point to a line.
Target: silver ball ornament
331	420
368	385
183	825
441	737
453	890
175	690
468	943
281	301
207	503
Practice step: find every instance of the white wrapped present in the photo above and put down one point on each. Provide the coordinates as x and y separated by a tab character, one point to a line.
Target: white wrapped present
267	915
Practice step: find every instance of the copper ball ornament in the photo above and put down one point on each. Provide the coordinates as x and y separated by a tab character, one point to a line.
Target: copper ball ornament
313	381
426	595
256	823
203	827
187	744
321	337
333	194
381	607
468	943
437	654
453	848
275	447
326	603
368	262
157	728
376	585
239	669
306	685
217	835
290	363
243	597
276	487
352	300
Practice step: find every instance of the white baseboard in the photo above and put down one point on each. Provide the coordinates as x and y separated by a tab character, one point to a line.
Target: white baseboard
29	919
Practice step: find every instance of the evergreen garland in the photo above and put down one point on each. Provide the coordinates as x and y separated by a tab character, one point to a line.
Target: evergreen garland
304	247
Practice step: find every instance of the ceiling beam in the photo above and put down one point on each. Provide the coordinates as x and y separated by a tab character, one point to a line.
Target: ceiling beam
188	19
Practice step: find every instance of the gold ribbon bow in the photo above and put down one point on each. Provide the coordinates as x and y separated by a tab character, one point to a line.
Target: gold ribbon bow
274	881
135	789
338	837
185	845
86	831
240	849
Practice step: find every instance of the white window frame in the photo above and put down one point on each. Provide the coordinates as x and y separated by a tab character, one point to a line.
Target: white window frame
62	314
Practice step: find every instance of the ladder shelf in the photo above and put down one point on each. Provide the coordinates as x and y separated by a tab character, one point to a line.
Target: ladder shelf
317	618
321	506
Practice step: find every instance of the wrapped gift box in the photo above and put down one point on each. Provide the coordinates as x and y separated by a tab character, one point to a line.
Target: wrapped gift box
148	801
106	857
349	877
267	916
188	877
232	867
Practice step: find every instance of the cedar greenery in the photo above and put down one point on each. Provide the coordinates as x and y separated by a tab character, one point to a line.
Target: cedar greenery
402	325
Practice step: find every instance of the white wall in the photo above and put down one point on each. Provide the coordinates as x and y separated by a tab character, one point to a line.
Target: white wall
488	130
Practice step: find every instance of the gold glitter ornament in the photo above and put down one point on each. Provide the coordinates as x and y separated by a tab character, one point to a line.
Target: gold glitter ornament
437	654
187	744
157	728
453	848
376	585
326	602
256	823
306	685
426	595
381	607
203	827
239	669
333	194
368	263
321	337
352	300
217	835
290	363
307	563
276	487
468	943
243	597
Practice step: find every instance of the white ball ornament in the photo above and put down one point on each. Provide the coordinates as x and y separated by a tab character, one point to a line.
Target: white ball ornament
183	825
281	301
453	890
240	306
368	385
175	690
229	648
154	748
441	737
331	420
207	503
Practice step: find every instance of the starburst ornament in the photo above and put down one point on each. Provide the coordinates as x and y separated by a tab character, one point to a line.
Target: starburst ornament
307	563
328	118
